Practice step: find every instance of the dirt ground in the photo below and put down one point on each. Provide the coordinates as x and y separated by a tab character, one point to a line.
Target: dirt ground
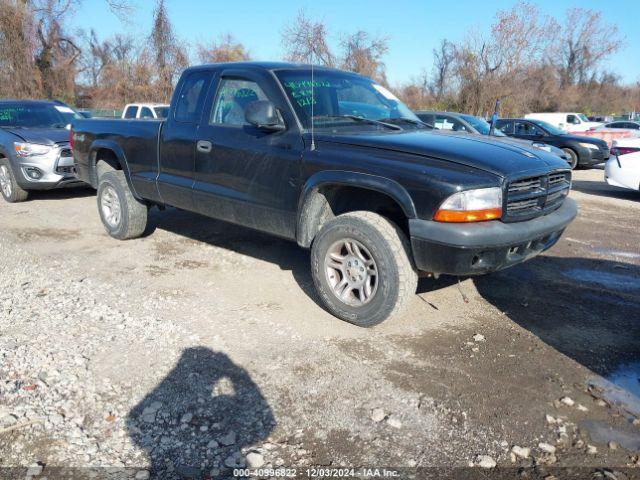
474	368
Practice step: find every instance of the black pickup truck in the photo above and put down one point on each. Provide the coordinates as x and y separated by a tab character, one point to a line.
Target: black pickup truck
338	164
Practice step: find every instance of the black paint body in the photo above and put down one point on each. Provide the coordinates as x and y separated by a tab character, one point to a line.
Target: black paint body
266	180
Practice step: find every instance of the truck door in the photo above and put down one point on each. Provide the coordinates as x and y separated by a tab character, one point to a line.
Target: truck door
243	174
178	140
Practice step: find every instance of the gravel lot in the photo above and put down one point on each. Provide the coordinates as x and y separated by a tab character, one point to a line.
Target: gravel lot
200	348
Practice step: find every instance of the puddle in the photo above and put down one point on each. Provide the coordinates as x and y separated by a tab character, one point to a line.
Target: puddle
622	387
613	281
602	432
617	253
627	377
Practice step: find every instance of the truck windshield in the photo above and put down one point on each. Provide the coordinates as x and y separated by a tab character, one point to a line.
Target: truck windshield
36	116
340	99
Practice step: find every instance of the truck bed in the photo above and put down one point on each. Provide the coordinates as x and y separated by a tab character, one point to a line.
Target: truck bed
132	138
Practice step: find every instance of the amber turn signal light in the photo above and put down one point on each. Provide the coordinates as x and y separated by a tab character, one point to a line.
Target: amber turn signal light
460	216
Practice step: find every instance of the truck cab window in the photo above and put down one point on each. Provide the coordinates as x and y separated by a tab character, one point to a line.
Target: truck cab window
131	112
146	113
573	119
194	89
231	100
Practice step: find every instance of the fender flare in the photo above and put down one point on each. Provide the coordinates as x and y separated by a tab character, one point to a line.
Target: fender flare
120	155
312	205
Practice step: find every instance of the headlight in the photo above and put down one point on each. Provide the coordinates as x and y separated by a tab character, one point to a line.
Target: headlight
471	206
31	149
592	146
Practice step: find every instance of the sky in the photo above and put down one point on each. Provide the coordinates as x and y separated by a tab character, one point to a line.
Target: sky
414	27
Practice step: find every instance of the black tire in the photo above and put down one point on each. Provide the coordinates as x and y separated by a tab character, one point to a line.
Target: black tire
133	214
13	193
387	245
573	157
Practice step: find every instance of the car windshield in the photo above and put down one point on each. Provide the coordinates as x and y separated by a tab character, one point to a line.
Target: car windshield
36	115
162	112
481	125
548	127
343	100
583	117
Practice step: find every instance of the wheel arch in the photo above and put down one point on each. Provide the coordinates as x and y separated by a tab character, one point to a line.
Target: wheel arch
111	152
330	193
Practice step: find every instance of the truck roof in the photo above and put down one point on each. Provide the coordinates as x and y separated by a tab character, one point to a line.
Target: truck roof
258	65
7	101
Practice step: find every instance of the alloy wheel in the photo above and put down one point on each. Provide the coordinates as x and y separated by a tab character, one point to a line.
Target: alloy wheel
110	206
351	272
5	180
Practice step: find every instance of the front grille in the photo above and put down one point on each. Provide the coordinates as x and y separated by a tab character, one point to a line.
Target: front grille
64	170
534	196
66	154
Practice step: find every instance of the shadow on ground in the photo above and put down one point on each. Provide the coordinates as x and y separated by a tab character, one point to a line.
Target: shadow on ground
587	309
200	417
61	193
603	189
284	253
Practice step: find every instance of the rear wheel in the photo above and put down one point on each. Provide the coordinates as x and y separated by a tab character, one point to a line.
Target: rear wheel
362	269
122	215
11	191
573	157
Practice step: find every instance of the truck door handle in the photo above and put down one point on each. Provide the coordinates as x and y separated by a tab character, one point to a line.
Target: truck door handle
204	146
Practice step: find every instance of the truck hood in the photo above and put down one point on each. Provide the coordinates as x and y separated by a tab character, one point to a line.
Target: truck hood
41	136
502	158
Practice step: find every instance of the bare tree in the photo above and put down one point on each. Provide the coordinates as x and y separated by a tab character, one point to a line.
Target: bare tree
363	54
225	49
19	77
170	57
443	59
306	41
586	41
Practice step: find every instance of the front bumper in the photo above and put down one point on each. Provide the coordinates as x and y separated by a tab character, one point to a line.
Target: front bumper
588	157
477	248
52	171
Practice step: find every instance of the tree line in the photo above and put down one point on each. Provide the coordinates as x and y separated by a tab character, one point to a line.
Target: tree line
532	62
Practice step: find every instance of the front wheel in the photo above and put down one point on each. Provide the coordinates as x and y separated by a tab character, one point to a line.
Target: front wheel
10	189
362	269
122	215
573	157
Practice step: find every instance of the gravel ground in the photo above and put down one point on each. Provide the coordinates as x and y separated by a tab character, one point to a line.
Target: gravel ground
200	348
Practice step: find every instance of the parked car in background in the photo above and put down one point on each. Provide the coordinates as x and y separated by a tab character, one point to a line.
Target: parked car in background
623	168
567	121
276	147
582	151
145	111
600	118
462	122
626	125
34	147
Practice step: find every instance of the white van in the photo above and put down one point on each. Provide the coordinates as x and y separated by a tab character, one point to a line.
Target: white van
145	111
567	121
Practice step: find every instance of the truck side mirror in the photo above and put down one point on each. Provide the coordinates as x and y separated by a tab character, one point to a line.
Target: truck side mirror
264	115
